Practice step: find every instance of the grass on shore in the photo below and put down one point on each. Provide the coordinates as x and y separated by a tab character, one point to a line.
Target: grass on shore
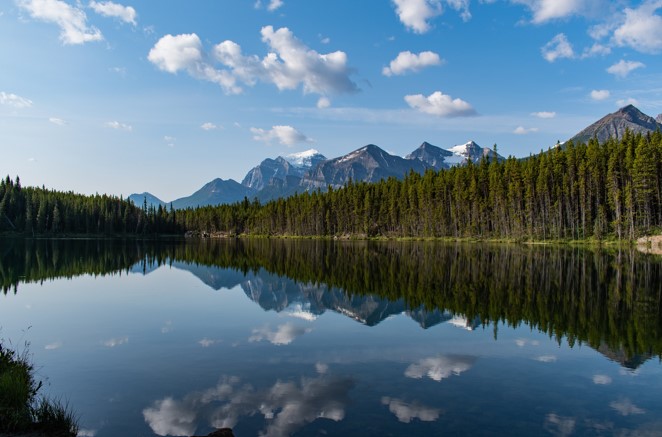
22	408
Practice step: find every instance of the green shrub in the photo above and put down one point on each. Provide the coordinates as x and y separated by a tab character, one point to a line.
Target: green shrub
21	408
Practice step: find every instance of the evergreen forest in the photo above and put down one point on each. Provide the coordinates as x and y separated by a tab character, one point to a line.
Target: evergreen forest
572	191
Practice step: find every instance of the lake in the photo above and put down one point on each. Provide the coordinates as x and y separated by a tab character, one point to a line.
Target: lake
311	338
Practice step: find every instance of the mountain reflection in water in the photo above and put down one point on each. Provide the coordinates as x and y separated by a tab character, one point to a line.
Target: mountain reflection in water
610	300
340	338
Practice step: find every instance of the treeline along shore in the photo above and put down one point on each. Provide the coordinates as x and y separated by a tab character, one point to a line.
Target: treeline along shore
570	192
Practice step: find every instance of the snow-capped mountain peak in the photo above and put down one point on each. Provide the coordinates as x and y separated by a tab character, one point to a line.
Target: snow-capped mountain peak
464	149
305	158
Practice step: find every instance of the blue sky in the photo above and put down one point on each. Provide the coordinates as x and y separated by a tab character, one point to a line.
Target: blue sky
164	96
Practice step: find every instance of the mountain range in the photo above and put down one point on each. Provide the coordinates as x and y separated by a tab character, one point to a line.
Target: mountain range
310	170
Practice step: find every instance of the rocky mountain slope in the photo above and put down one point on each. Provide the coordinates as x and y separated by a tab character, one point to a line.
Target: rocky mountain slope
310	170
615	124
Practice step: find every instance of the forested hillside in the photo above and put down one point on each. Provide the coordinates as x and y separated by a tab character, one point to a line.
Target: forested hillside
568	192
38	211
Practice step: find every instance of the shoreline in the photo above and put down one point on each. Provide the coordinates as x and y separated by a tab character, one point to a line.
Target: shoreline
647	244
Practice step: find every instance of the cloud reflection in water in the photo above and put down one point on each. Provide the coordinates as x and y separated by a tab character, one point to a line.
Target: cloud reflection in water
284	334
625	407
559	425
405	412
441	367
113	342
285	406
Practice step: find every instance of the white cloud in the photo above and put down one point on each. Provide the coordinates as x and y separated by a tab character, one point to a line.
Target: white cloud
642	28
113	342
325	40
625	407
596	49
175	53
71	20
272	6
405	412
440	104
602	30
288	65
601	379
628	101
323	102
285	135
544	114
559	47
11	99
414	14
622	68
600	94
284	334
119	126
438	368
208	126
462	6
87	433
109	9
547	10
286	406
321	368
521	130
408	61
57	121
184	52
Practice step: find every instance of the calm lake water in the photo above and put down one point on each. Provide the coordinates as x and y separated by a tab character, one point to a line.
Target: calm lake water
340	338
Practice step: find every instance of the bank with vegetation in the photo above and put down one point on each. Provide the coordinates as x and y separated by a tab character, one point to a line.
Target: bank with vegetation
22	408
571	192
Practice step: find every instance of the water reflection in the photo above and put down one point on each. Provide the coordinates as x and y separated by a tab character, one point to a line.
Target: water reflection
343	338
611	300
406	412
441	367
559	426
282	335
625	407
285	407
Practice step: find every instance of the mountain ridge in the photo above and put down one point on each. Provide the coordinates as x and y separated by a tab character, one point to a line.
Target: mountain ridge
284	176
614	125
309	170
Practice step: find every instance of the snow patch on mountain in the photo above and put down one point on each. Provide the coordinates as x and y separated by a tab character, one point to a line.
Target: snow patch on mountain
305	158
